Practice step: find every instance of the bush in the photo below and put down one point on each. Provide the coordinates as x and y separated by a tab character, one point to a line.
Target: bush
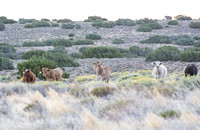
58	49
67	26
182	17
168	17
108	24
134	50
62	59
2	26
54	24
195	25
29	26
23	21
8	21
5	64
144	28
97	23
27	55
82	49
117	41
43	43
101	52
145	21
6	48
197	44
125	22
182	40
3	18
77	26
44	19
103	91
65	75
84	42
62	42
170	114
94	18
93	36
144	51
190	55
75	55
173	22
196	38
41	24
64	21
154	25
71	35
13	56
157	39
164	53
36	64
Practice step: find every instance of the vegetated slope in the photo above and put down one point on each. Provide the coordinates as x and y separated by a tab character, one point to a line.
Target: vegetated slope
136	100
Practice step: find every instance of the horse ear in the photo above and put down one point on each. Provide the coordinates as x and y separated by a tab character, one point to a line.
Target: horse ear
48	70
161	63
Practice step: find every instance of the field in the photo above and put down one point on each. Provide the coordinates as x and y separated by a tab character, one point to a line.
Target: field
132	99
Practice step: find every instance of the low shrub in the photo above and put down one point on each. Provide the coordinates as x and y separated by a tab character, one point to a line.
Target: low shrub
76	55
157	39
101	52
134	50
71	35
117	41
54	24
13	56
84	42
62	42
173	22
44	19
67	26
41	24
197	44
65	75
58	49
145	21
77	26
5	64
195	25
168	17
182	40
27	55
23	21
103	91
82	49
144	51
43	43
164	53
29	26
196	38
154	25
182	17
190	55
8	21
97	23
93	36
94	18
64	21
125	22
108	24
2	26
6	48
36	64
144	28
170	114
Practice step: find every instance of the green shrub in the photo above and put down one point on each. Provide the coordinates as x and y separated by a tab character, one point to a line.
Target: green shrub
44	19
103	91
13	56
145	21
6	48
2	18
117	41
125	22
2	26
144	51
108	24
101	52
5	64
65	75
8	21
27	55
93	36
182	40
64	21
36	64
173	22
62	59
197	44
71	35
23	21
196	38
94	18
54	24
170	114
134	50
58	49
41	24
157	39
29	26
144	28
67	26
62	42
97	23
195	25
164	53
154	25
82	49
75	55
168	17
77	26
43	43
182	17
190	55
88	20
84	42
